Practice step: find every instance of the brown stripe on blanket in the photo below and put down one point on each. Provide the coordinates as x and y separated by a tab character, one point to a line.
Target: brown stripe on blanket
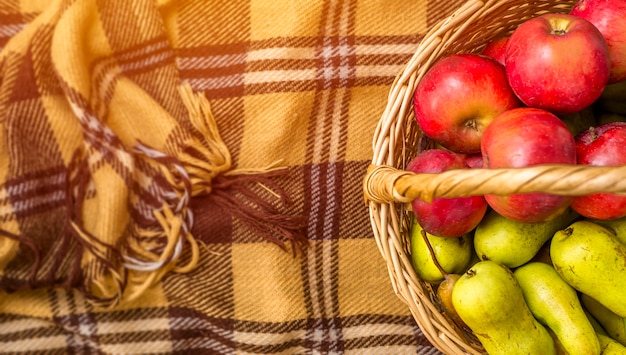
352	226
12	21
31	334
135	62
230	22
293	43
192	330
34	193
21	334
73	316
437	11
220	75
284	65
40	48
137	335
326	142
137	28
208	290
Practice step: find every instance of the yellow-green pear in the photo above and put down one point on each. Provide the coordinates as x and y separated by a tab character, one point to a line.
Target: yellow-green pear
555	304
589	257
452	254
514	243
618	226
490	302
613	325
608	345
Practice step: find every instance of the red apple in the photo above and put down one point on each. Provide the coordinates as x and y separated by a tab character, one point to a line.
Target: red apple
525	137
496	49
557	62
604	145
445	217
458	97
474	160
609	18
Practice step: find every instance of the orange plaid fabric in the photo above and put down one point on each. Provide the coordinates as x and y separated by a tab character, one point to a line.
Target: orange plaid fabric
156	156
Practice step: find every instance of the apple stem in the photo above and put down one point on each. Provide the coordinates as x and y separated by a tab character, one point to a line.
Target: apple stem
592	132
432	254
472	124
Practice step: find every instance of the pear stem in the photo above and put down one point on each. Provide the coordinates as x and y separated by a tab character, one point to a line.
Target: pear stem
432	254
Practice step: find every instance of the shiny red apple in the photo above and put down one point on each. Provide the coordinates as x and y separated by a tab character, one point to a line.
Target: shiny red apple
604	145
445	217
496	49
609	17
458	97
557	62
525	137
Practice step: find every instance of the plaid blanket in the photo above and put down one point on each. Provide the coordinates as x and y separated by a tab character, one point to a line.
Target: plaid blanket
185	176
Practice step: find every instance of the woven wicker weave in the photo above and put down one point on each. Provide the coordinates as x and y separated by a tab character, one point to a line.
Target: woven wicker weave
388	189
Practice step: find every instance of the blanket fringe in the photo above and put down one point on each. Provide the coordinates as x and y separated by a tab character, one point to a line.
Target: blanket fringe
107	274
200	168
234	188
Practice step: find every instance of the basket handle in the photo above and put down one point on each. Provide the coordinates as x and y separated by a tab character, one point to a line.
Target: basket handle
385	184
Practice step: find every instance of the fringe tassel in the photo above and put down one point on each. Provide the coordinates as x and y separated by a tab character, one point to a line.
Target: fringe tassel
232	188
206	168
100	289
109	274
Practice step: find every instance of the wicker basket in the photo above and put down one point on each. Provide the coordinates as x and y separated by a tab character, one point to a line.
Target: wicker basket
388	189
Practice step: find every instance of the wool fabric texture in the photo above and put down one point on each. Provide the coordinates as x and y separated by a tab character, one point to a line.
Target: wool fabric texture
185	176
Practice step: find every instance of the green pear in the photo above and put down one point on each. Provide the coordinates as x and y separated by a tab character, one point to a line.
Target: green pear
452	254
618	226
591	259
610	346
514	243
614	325
555	304
489	300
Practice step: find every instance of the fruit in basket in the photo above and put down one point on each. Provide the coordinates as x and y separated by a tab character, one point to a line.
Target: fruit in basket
496	49
555	304
617	226
557	62
445	217
444	294
607	344
490	302
608	117
612	99
592	260
601	146
608	17
614	325
452	254
474	160
458	97
610	346
580	121
543	255
514	243
524	137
